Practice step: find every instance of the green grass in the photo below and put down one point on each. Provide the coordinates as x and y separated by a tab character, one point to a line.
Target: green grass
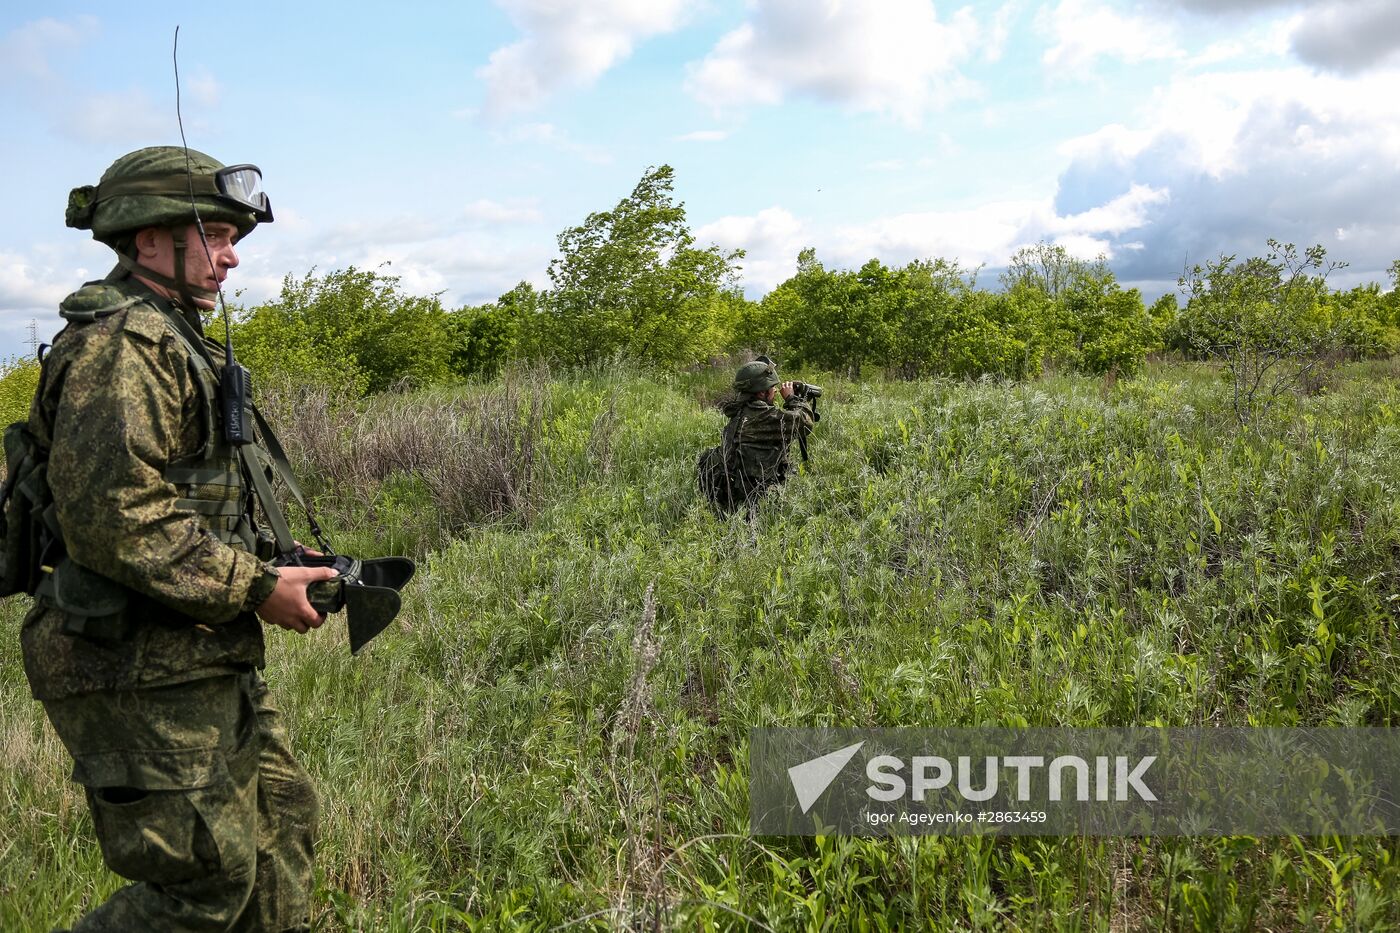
538	745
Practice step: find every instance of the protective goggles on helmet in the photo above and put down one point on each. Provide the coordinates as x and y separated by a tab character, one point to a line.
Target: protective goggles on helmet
239	185
243	185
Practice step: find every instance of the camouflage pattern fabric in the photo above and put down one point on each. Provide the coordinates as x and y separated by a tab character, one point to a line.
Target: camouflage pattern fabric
169	204
194	793
196	797
117	403
763	433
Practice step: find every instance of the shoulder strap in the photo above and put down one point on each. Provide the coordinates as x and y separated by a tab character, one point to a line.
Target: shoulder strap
250	461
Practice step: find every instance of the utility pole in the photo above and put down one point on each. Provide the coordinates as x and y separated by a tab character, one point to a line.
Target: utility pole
33	337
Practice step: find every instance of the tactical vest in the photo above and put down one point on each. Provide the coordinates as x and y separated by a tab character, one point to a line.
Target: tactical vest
209	483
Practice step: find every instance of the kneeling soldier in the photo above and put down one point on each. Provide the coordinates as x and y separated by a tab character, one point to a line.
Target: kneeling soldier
753	455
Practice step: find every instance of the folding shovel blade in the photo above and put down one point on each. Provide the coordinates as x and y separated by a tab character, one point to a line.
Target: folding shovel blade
392	572
368	611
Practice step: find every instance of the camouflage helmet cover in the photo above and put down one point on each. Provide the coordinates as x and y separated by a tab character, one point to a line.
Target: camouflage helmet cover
165	202
758	376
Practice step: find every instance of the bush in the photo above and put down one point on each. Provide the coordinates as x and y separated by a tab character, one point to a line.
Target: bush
1268	319
19	378
351	329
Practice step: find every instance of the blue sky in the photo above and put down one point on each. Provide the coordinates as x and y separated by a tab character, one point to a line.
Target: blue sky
455	140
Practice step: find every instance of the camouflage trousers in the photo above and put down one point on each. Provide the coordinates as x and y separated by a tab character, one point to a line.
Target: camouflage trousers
196	798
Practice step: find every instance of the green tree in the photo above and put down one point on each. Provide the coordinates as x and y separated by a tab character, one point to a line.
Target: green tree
352	328
483	338
631	282
1266	317
1049	268
19	377
1113	330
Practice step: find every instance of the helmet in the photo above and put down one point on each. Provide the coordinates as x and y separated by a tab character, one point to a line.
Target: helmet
758	376
160	187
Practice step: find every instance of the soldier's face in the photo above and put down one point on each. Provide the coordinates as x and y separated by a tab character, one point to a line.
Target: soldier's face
157	253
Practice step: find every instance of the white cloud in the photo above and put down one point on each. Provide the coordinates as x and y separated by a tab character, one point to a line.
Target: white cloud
704	136
1344	36
117	118
985	235
1349	37
28	283
1085	31
885	56
1126	212
33	281
568	43
1000	31
1285	153
547	134
26	51
1219	123
771	239
493	212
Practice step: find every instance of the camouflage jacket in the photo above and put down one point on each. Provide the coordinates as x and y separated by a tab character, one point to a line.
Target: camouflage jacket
763	434
118	402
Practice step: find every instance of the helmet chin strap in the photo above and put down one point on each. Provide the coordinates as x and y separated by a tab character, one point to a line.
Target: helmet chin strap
178	235
187	292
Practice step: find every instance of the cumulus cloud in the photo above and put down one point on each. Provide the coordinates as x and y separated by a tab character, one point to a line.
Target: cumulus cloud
1349	37
771	239
568	43
28	283
547	134
1288	154
26	51
1343	36
35	280
703	136
1214	164
487	211
1084	31
985	235
886	56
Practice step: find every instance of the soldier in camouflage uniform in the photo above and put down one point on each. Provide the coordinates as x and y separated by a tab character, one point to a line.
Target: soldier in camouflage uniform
145	640
761	433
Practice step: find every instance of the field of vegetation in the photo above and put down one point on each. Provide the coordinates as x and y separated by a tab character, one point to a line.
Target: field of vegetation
555	735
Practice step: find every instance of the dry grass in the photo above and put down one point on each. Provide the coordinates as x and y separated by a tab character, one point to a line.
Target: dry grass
475	453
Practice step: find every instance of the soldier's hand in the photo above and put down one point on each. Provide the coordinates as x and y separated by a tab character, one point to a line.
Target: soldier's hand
288	606
786	389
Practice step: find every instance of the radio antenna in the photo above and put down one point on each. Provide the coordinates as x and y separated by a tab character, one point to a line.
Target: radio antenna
234	397
194	206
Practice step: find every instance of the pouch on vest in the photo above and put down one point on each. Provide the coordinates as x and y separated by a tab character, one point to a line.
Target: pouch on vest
92	605
28	524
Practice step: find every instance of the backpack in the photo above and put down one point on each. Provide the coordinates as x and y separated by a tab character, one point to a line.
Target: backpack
28	520
720	473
